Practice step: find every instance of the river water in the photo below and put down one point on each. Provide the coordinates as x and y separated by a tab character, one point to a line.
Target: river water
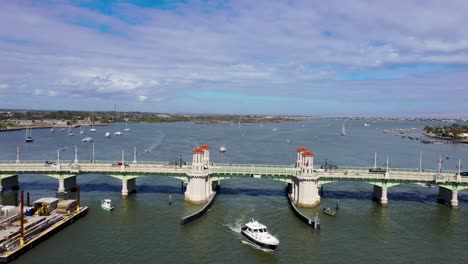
145	229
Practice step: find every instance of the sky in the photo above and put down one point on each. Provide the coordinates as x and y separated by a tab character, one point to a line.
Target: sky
403	58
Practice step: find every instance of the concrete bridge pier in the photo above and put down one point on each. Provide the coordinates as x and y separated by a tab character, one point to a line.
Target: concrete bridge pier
128	186
380	195
307	192
448	197
9	182
197	190
67	184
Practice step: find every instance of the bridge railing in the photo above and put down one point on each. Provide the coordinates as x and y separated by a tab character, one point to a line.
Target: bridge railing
252	165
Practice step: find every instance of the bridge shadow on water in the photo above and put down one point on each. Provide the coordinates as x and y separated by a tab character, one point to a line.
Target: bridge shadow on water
393	196
171	189
103	187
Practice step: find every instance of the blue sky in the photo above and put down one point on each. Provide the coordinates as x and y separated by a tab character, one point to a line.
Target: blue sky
304	57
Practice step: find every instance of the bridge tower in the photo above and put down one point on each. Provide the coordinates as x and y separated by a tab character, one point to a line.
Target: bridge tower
305	183
198	187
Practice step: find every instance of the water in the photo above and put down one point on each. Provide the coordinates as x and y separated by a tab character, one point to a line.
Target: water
145	228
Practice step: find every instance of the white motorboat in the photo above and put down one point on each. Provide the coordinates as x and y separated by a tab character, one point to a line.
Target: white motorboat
52	130
106	204
258	234
118	133
92	129
28	137
87	139
107	135
222	149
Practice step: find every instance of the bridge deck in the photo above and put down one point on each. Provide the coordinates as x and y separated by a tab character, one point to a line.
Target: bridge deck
219	170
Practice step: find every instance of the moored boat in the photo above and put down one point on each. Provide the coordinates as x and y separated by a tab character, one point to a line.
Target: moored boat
257	233
106	204
222	149
329	211
107	135
87	139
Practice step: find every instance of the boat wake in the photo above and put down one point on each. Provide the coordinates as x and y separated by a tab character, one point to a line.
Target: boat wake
245	242
235	228
158	138
423	184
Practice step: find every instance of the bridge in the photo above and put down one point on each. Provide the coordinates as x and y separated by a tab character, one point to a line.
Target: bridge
201	176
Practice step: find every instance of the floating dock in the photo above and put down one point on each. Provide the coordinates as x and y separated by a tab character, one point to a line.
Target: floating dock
37	228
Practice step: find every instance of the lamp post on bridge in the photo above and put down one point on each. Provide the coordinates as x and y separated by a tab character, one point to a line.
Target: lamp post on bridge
375	160
75	161
17	155
420	162
58	158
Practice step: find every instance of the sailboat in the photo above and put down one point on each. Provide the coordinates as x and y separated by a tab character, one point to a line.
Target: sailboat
126	127
28	137
81	131
70	133
343	130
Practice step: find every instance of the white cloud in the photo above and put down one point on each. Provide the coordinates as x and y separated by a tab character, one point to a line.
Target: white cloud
261	47
142	98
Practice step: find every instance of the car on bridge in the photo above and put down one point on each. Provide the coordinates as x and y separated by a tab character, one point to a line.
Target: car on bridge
377	170
464	173
50	164
118	164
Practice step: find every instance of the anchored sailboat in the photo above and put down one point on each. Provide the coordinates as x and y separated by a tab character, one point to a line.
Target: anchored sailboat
343	129
126	126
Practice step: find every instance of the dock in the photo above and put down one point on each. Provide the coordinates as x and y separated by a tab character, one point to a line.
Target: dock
36	229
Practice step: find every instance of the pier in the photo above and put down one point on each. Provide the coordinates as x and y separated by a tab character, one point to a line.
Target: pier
202	176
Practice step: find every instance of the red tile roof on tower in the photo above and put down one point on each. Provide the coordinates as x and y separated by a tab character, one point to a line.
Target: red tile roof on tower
204	147
197	151
301	149
307	154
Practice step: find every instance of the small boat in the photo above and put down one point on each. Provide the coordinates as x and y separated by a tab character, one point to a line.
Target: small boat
87	139
106	204
147	150
222	149
28	137
329	211
366	124
127	129
92	130
118	133
81	131
258	234
70	133
52	130
107	135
